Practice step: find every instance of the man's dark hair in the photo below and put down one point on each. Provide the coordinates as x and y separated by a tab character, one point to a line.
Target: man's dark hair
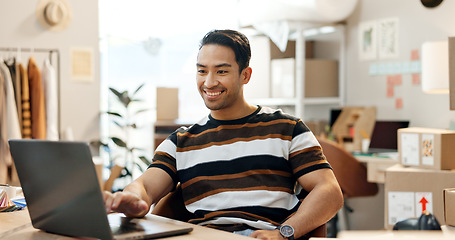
232	39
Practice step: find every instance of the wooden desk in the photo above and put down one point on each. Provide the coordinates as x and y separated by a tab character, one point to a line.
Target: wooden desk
17	225
376	166
446	233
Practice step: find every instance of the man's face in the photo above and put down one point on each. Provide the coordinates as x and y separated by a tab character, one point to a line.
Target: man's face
218	79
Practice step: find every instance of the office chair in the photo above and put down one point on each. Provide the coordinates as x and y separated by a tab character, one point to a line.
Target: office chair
172	206
351	175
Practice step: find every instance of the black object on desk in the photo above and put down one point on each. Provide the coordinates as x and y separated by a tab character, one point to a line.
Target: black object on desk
426	221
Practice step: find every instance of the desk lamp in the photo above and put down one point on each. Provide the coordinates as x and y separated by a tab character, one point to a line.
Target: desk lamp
435	67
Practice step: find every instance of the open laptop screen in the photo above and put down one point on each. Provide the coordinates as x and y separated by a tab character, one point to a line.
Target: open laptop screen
384	136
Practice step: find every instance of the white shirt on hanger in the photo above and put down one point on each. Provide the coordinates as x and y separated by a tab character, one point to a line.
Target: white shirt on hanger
49	79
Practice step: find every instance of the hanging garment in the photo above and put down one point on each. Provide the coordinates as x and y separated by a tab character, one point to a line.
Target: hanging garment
4	150
15	77
49	78
12	121
37	105
25	95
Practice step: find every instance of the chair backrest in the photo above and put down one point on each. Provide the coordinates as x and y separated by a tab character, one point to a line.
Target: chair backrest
172	206
350	173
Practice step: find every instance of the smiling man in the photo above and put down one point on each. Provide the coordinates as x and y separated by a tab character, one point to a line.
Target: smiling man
220	81
242	167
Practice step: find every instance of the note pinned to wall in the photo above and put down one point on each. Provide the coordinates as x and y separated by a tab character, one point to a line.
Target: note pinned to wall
388	32
399	103
390	91
416	79
415	55
82	64
367	40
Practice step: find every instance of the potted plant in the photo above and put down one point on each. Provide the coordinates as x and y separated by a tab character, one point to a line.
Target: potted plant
123	155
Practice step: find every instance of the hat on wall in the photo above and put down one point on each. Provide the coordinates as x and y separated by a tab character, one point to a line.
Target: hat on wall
54	14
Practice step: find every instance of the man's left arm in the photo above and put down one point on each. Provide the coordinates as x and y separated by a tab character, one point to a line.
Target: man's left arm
318	207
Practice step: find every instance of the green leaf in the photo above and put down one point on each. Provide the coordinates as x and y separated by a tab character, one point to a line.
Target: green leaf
140	111
119	124
126	100
136	148
139	88
145	160
119	142
117	93
122	97
98	144
140	167
115	114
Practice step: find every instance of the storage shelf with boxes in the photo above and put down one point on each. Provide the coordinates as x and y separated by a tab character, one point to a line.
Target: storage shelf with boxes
309	72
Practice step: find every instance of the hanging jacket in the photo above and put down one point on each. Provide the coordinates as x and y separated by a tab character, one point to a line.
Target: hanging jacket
37	101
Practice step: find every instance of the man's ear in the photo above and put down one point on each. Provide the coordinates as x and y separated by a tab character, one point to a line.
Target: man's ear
246	75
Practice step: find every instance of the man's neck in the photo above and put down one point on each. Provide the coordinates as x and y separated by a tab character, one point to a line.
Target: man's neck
233	113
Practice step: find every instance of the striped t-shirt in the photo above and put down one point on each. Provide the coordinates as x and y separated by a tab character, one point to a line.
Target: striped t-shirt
241	172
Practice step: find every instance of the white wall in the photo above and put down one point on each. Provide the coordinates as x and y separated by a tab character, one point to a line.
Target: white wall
79	101
417	24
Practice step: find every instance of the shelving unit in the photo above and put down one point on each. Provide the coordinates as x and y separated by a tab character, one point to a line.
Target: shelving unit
300	33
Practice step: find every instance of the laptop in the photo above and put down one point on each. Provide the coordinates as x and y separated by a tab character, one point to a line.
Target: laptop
385	135
63	195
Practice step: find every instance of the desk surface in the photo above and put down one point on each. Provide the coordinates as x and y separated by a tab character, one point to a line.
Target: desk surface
376	166
446	233
17	225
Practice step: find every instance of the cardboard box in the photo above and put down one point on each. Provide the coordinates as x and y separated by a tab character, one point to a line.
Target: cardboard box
427	148
283	77
167	104
263	52
321	78
410	191
449	206
276	53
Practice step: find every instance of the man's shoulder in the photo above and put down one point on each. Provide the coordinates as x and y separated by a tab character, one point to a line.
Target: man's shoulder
202	123
271	113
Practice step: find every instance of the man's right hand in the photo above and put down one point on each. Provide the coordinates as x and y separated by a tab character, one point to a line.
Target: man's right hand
125	202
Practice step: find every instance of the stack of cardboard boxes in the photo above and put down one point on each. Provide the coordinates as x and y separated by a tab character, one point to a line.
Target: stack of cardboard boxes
424	178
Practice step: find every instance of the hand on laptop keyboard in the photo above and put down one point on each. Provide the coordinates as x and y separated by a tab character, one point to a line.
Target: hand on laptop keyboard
125	202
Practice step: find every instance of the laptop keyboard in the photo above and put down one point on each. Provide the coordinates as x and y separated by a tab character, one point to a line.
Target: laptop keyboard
127	225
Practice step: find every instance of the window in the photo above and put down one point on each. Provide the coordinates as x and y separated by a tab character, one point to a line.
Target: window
156	43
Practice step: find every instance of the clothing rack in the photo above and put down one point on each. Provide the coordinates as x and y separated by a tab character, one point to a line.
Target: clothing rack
52	52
